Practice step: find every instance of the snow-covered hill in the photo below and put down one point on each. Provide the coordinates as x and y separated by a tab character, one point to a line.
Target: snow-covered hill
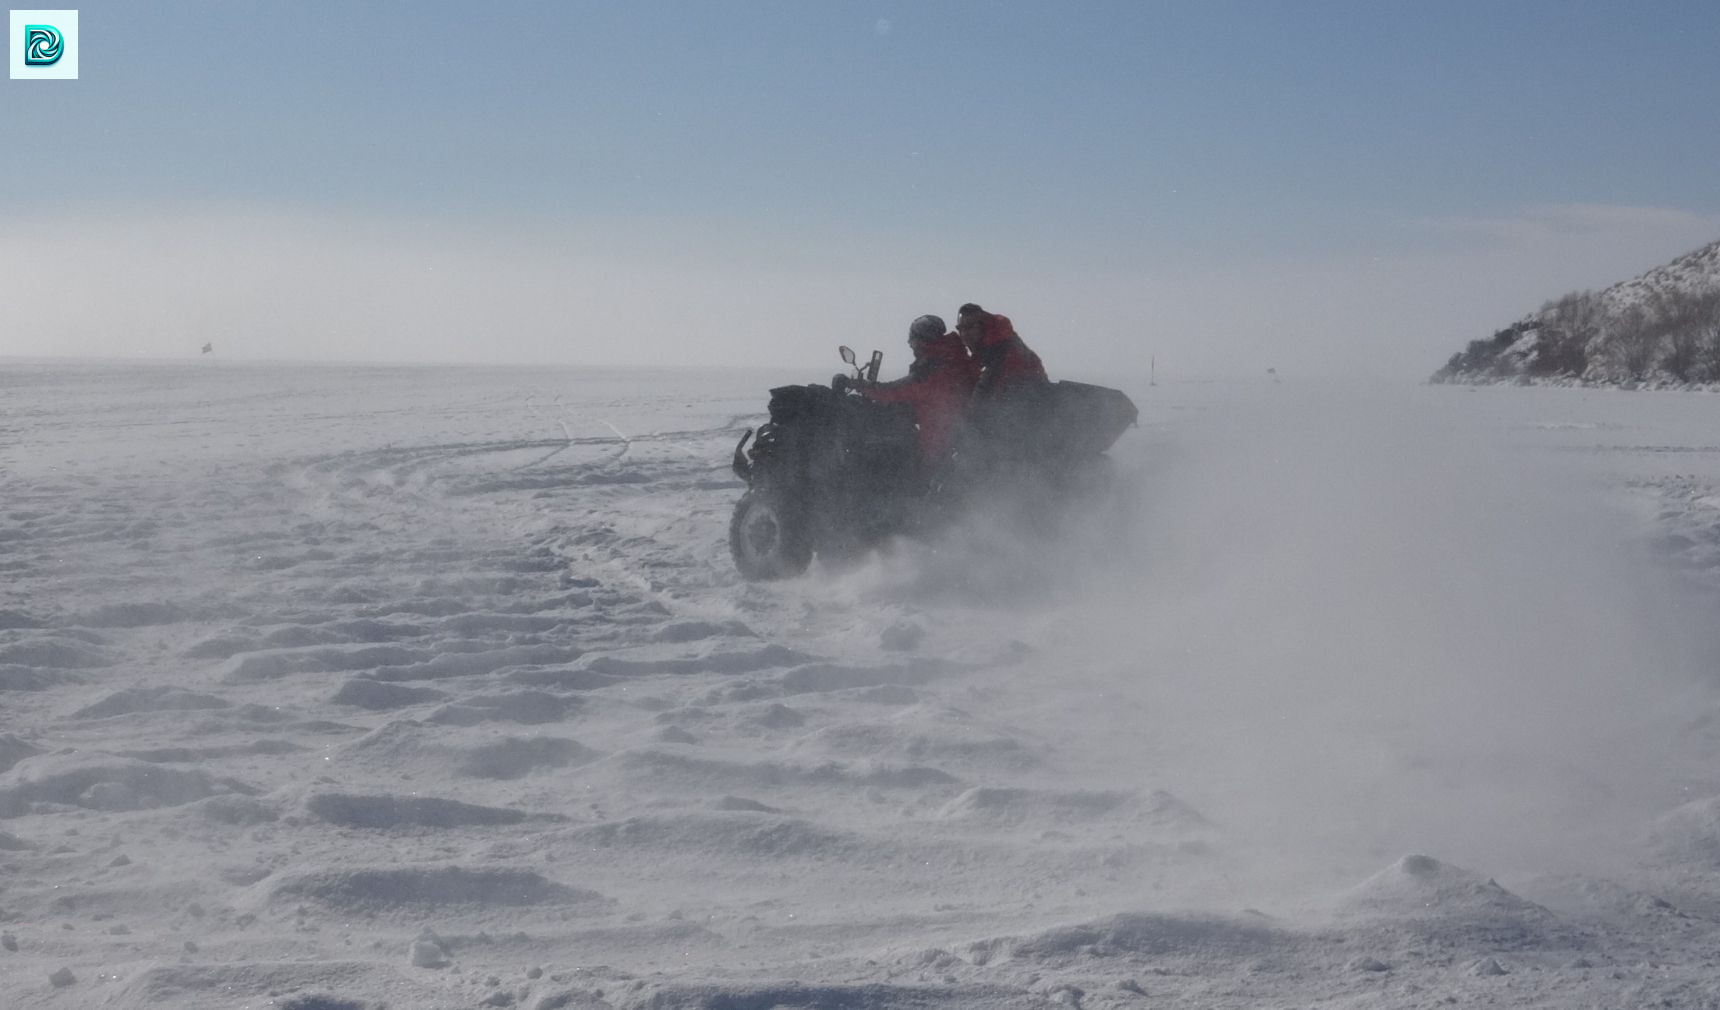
1693	273
1662	327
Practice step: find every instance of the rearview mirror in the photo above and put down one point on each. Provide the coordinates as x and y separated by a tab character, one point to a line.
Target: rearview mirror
847	353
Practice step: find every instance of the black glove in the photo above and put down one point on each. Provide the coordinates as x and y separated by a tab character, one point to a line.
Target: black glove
840	382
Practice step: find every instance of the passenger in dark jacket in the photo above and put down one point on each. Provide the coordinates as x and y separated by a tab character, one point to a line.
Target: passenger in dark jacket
1010	398
939	385
1006	362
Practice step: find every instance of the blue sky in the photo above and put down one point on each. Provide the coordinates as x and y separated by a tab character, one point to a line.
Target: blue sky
1219	185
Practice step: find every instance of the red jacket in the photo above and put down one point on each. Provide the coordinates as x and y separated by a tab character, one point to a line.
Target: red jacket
938	387
1005	361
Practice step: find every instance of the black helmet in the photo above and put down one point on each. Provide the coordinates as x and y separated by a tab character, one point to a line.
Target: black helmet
926	328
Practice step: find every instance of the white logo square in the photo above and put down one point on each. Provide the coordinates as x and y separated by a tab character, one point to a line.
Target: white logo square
44	46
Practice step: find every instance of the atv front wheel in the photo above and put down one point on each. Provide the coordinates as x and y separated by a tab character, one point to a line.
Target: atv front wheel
767	537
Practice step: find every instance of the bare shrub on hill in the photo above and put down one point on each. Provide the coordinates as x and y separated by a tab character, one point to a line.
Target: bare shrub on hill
1632	340
1691	320
1707	326
1488	357
1568	325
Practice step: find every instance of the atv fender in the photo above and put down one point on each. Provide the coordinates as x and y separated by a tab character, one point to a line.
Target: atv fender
743	466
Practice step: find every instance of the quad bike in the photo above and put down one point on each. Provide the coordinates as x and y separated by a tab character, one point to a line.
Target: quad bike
833	473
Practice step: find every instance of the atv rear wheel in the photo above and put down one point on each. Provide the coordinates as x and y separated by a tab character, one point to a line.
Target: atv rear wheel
768	537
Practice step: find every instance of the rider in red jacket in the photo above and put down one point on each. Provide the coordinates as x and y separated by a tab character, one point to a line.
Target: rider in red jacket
938	386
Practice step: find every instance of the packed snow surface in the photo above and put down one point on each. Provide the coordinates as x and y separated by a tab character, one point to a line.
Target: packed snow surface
336	688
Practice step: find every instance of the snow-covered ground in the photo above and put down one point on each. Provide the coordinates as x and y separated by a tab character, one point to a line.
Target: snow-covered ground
333	688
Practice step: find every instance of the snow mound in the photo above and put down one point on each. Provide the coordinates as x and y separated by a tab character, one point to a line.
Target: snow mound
15	620
150	699
450	658
664	770
751	720
912	738
381	696
387	813
236	810
529	708
479	661
1689	835
1596	898
1437	899
103	782
274	664
1416	884
409	743
368	629
1137	934
741	803
190	984
993	805
221	647
14	677
322	1001
516	757
887	694
725	834
14	749
819	678
651	660
692	631
773	717
394	887
133	615
856	996
54	654
194	755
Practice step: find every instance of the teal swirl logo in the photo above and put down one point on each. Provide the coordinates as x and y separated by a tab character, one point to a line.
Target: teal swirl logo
43	45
